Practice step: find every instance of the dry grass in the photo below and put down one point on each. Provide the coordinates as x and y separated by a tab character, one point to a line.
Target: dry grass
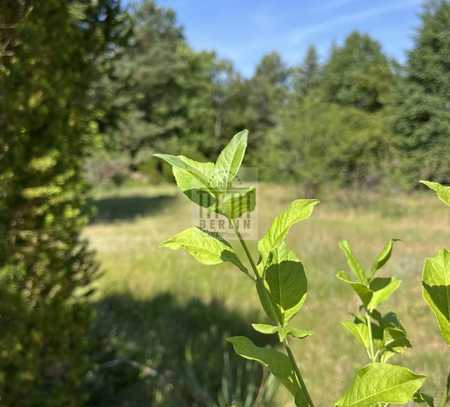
127	247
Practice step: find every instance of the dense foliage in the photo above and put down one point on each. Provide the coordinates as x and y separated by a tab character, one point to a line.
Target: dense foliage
52	52
420	108
356	119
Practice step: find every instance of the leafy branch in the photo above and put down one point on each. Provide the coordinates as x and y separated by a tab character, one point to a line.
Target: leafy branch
382	336
278	275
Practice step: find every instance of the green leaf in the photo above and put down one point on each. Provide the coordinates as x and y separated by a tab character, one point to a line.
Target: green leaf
202	172
383	257
287	286
378	291
301	400
204	247
436	289
382	288
381	383
234	204
277	363
423	398
297	211
442	191
354	265
265	300
360	289
279	254
230	159
283	331
294	332
193	188
266	329
359	330
395	338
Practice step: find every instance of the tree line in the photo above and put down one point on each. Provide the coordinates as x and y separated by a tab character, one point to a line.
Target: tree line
357	118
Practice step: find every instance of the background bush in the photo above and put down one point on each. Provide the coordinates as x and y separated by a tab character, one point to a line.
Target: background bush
52	53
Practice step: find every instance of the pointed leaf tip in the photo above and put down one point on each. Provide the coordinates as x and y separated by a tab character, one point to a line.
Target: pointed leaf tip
442	191
383	257
230	159
298	210
352	262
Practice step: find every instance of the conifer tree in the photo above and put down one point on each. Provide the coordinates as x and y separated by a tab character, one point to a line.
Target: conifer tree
421	103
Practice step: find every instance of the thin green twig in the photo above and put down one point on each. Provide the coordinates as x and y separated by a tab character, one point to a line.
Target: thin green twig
247	252
369	327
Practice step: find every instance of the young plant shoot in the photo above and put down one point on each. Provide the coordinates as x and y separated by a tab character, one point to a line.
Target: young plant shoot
279	276
382	336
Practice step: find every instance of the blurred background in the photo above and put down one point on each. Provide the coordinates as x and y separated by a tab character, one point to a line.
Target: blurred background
347	101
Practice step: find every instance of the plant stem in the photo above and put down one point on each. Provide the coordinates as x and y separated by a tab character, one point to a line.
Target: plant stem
369	327
298	374
247	252
248	275
291	356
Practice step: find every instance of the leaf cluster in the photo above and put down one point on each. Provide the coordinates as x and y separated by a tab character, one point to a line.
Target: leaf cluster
279	276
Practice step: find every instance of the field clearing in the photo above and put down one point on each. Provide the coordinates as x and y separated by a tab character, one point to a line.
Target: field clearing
131	223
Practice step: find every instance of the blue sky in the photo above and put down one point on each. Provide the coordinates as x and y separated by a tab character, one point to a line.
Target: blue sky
244	30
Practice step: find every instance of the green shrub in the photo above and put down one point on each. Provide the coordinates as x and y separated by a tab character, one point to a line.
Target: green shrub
53	54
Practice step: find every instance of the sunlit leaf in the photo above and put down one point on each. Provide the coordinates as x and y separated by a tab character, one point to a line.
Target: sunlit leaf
230	159
436	289
297	211
381	383
234	204
382	288
283	331
360	289
204	247
266	329
353	263
193	188
383	257
202	172
359	330
378	291
442	191
294	332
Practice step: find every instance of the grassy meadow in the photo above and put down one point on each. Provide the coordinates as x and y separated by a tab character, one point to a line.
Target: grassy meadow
160	302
